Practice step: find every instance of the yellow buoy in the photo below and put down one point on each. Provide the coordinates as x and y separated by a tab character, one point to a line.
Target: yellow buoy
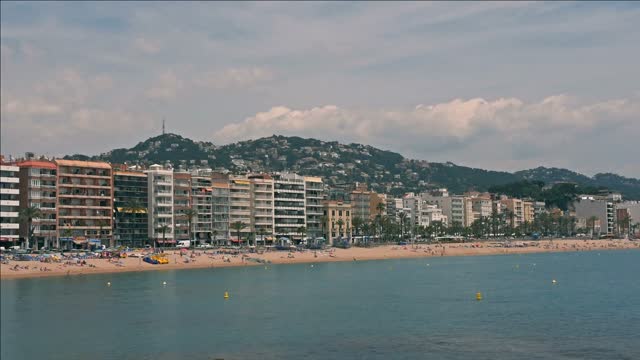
226	294
478	296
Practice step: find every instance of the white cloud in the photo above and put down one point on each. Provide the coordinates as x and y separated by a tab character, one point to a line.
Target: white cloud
147	46
167	86
474	131
235	78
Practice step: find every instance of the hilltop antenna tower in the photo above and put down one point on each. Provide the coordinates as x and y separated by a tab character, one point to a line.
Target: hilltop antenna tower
162	126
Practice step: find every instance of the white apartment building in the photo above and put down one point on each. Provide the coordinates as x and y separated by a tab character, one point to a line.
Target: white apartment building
220	203
161	207
432	213
9	203
289	205
314	195
239	206
38	189
262	207
598	206
201	202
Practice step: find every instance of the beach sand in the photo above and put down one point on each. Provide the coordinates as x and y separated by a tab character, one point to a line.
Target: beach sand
206	259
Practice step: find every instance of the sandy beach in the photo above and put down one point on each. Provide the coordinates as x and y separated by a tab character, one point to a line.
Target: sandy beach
207	259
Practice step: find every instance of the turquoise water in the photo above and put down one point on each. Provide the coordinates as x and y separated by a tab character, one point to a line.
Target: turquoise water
392	309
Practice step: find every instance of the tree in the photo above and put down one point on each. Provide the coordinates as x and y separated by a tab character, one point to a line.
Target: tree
340	224
238	226
101	225
357	223
302	231
190	214
27	215
591	222
163	229
623	223
215	234
403	217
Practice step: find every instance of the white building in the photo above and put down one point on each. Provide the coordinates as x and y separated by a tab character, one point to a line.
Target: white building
9	203
160	203
201	202
314	194
289	205
262	207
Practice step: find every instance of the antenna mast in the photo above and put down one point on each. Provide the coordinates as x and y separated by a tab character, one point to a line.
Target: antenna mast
162	126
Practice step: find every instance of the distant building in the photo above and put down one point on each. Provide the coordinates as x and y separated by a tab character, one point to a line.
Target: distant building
9	203
38	189
603	209
289	205
85	203
314	194
181	202
338	221
131	220
161	211
201	188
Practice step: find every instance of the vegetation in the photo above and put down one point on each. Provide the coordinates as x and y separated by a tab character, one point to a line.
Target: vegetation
27	215
238	226
560	195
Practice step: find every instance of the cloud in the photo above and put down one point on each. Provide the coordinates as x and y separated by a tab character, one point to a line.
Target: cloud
235	78
473	131
146	45
167	86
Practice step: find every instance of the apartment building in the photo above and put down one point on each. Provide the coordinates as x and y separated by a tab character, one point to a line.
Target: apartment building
130	203
202	203
528	211
481	206
38	189
415	204
84	203
289	205
220	203
338	221
161	210
262	207
181	202
9	203
600	207
239	206
394	207
364	203
514	211
314	195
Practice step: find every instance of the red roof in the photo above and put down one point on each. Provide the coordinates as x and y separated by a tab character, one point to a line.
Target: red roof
37	164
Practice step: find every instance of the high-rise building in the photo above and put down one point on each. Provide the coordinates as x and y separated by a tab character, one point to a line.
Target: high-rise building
9	203
364	203
38	189
161	213
289	205
130	204
239	207
262	207
528	212
514	211
220	203
181	202
85	202
600	207
314	194
202	204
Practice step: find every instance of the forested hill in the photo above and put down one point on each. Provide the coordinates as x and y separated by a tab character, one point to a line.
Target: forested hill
384	171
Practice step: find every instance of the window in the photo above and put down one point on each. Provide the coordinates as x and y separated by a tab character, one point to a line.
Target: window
333	213
347	212
340	213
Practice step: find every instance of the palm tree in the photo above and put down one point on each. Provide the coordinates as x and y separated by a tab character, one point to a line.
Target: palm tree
27	215
403	216
163	229
190	214
591	223
623	224
101	225
323	220
357	223
214	232
340	224
238	226
302	231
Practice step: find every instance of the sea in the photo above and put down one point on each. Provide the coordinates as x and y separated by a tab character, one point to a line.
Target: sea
386	309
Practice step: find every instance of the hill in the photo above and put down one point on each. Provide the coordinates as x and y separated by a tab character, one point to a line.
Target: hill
384	171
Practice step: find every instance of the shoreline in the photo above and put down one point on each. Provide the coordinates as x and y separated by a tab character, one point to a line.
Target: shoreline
204	259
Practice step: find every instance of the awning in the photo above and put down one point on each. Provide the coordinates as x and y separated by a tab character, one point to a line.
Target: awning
78	242
6	238
64	239
95	241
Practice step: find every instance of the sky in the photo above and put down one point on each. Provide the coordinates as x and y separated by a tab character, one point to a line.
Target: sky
495	85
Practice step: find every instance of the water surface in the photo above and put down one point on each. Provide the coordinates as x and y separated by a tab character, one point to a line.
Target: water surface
390	309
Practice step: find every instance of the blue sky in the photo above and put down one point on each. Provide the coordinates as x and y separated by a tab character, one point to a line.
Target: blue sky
490	84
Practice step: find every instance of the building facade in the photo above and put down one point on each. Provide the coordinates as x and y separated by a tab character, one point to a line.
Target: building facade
9	204
202	203
84	203
314	195
130	204
337	225
261	189
38	189
161	214
289	215
181	203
